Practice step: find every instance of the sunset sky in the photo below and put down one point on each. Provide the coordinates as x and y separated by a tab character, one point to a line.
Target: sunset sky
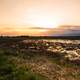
39	17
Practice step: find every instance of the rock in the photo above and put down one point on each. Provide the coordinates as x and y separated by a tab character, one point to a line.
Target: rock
72	55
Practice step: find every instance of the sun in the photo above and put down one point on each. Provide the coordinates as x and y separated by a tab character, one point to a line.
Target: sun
41	20
44	23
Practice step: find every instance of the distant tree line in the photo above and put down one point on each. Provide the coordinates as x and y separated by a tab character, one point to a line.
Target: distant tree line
18	38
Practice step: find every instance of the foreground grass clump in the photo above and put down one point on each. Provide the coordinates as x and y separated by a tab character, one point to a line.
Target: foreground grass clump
10	71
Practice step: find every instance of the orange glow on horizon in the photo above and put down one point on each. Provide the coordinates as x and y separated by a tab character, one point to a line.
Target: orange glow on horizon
22	31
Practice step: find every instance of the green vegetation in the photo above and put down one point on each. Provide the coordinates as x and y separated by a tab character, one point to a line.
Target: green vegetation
38	59
10	71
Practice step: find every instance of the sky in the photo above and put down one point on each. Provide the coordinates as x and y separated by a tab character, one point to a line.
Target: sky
40	17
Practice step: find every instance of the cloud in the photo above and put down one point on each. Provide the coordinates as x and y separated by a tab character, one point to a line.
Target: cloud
72	33
38	28
67	30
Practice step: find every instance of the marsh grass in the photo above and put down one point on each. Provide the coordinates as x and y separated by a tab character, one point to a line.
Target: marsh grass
10	71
